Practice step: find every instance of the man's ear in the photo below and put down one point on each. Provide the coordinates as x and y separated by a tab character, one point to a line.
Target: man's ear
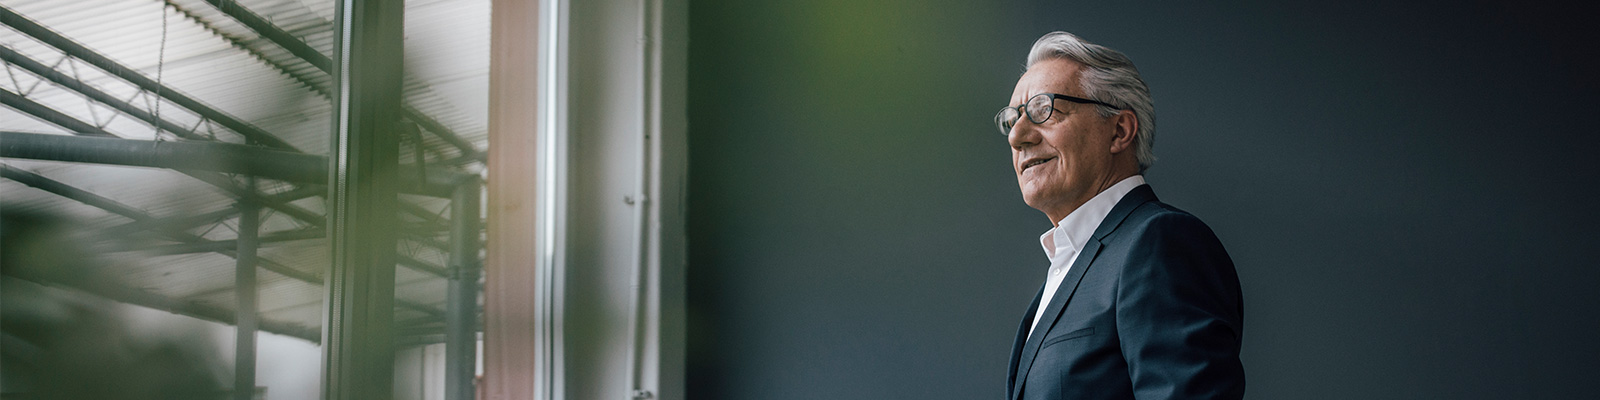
1127	127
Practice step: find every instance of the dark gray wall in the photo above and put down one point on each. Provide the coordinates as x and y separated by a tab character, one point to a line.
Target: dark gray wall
1404	190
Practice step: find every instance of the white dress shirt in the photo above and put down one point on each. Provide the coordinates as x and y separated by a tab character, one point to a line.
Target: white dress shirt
1063	243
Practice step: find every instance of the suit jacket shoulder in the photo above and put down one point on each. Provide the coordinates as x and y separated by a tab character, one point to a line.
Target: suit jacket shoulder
1179	305
1156	226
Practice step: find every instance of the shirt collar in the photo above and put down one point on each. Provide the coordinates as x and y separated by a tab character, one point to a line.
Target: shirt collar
1071	233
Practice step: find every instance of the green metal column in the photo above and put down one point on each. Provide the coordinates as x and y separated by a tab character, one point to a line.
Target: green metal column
358	354
461	309
244	285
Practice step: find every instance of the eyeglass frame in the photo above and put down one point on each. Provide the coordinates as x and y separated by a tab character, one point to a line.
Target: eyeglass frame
1023	110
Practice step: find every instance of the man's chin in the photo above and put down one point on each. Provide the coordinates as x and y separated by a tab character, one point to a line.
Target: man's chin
1036	199
1043	199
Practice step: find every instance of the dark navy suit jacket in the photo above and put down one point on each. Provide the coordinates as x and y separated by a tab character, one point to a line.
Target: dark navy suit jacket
1151	309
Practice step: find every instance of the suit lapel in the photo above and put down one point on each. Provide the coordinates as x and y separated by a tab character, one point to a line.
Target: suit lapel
1069	286
1016	345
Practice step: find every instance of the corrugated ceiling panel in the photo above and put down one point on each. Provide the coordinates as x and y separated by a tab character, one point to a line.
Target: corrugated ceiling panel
176	276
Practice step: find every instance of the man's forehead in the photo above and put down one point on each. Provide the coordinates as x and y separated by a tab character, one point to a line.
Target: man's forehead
1052	75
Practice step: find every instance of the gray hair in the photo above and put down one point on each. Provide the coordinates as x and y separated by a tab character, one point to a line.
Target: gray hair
1107	76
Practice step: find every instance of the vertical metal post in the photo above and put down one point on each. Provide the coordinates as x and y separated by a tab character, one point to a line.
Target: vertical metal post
244	283
517	330
364	158
461	309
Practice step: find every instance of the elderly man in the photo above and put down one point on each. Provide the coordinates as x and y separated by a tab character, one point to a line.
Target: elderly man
1140	301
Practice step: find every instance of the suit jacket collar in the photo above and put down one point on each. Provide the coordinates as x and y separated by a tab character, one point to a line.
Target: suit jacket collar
1072	232
1023	357
1139	195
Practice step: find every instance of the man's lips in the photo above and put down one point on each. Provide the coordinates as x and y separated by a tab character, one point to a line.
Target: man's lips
1035	161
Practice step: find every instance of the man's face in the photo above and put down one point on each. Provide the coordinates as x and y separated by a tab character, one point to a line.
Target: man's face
1061	162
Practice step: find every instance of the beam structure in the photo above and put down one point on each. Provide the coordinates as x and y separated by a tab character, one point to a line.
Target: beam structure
191	244
420	337
101	202
212	246
91	92
50	115
271	32
311	56
54	76
120	293
78	51
468	151
143	222
423	266
113	291
12	143
224	156
182	222
181	155
79	195
84	129
19	143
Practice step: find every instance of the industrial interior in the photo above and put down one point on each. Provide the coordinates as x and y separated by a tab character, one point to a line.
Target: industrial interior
173	156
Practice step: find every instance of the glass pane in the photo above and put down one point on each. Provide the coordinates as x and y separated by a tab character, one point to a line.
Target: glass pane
143	132
122	259
445	98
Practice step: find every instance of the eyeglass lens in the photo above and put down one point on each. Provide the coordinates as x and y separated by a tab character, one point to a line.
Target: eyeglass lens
1038	109
1007	117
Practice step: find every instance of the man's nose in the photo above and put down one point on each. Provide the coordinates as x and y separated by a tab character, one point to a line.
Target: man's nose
1023	133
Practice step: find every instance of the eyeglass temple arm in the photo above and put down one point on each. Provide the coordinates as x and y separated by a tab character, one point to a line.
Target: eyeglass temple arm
1082	100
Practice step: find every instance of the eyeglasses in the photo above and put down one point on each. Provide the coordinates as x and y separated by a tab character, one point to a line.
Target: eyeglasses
1038	108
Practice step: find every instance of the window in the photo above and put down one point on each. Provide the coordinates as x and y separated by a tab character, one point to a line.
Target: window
272	195
166	195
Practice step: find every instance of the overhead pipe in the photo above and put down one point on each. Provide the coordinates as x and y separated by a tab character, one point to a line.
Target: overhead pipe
203	156
179	155
73	84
